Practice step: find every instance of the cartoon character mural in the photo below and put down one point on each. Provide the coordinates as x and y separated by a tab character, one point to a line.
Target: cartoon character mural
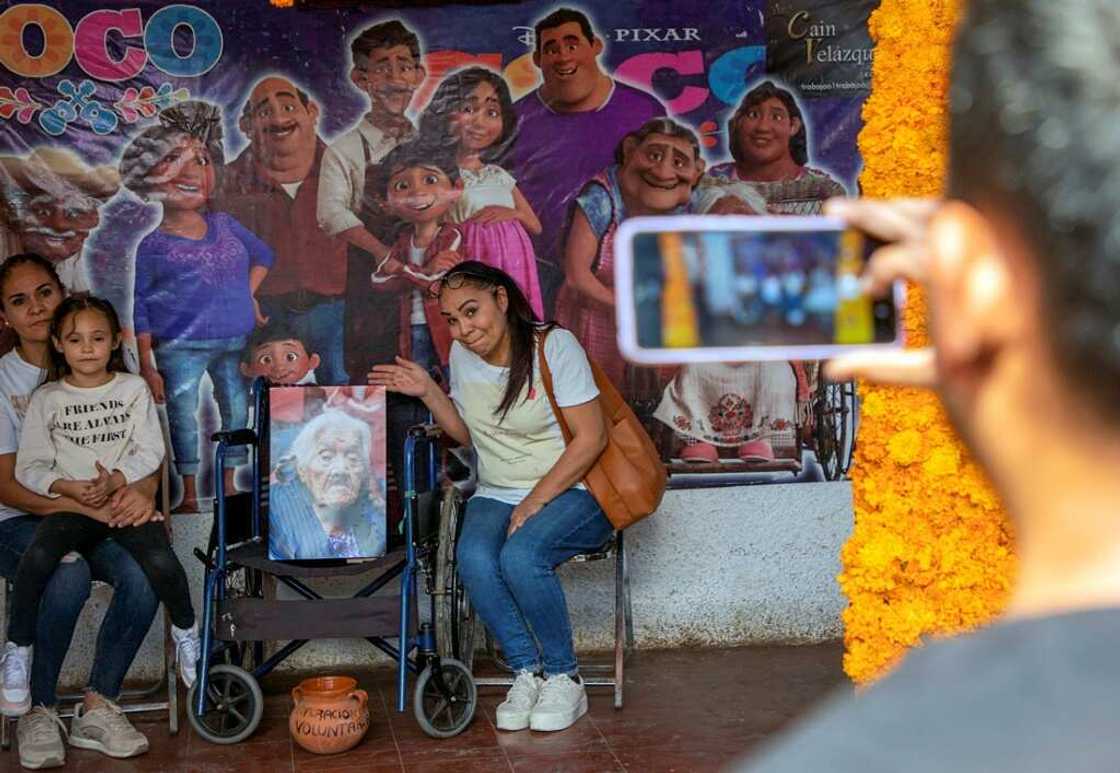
568	129
272	188
386	68
751	407
303	231
417	182
471	111
196	276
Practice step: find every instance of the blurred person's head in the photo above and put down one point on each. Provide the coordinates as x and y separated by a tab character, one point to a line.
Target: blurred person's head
1025	257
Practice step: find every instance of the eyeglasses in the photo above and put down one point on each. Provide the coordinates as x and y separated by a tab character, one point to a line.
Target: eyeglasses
456	278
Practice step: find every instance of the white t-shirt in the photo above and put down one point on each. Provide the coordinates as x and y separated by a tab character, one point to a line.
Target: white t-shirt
517	451
18	379
68	429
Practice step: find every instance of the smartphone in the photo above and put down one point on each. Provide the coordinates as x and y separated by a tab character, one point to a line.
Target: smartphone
721	288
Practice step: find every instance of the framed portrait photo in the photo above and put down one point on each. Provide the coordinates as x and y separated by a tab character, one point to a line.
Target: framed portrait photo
326	473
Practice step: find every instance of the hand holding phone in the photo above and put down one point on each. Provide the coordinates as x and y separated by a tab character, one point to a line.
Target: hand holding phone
902	225
736	289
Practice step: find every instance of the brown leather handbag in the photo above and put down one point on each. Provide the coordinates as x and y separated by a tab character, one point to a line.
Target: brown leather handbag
628	479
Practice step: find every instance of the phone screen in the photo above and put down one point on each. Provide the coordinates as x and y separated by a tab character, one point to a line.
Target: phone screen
733	289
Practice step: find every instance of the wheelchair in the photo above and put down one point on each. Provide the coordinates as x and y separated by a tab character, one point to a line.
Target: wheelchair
226	704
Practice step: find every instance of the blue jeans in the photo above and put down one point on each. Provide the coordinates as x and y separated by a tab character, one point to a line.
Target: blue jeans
126	621
512	582
321	329
182	363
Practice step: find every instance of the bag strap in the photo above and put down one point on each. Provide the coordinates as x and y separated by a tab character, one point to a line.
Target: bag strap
546	378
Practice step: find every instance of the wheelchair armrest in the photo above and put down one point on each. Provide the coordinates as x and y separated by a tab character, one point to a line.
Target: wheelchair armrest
236	437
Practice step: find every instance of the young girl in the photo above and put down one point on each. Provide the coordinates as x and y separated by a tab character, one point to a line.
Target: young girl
196	279
91	429
472	110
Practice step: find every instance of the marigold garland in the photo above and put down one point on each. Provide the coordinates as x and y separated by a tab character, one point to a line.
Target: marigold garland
931	550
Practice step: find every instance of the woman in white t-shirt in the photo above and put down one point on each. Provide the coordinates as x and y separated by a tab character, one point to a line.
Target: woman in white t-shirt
531	512
30	292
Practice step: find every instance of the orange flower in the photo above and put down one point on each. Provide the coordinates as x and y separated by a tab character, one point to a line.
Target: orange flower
931	553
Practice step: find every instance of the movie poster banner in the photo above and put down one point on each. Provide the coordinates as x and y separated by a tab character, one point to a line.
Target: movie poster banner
269	192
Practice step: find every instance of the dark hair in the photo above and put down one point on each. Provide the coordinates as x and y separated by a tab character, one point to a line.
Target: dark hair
666	126
193	119
523	323
419	151
69	307
386	34
563	16
1033	97
27	259
798	143
273	330
448	99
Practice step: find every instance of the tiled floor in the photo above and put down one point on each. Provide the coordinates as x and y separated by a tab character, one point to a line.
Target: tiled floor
685	711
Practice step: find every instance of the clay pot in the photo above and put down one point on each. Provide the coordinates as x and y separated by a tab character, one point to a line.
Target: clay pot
330	715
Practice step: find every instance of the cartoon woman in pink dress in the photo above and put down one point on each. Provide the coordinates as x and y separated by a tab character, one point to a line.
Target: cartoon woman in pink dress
472	110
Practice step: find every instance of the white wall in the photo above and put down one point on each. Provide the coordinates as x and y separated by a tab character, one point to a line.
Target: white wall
714	567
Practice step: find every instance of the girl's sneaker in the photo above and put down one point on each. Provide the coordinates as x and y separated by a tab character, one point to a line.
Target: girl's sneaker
40	735
15	695
187	649
107	730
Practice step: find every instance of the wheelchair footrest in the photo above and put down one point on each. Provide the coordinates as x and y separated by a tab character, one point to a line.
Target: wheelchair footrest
250	619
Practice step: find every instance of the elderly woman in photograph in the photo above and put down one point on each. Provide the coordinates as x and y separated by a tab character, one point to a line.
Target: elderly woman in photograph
324	500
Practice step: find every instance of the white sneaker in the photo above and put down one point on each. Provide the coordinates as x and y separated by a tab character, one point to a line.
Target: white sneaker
15	695
562	701
187	649
513	713
40	739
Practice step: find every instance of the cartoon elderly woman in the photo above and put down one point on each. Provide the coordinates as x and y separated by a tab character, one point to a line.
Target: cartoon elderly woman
195	281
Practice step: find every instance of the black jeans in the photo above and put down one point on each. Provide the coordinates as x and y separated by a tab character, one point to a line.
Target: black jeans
127	620
61	533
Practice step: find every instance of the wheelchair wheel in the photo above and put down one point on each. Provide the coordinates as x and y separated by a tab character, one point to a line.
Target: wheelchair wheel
234	705
835	415
444	701
456	624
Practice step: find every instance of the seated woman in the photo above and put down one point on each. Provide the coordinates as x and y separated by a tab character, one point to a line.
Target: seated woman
29	293
531	512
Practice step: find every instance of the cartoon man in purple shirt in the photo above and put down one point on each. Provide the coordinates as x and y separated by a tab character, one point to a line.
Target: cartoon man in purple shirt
568	129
